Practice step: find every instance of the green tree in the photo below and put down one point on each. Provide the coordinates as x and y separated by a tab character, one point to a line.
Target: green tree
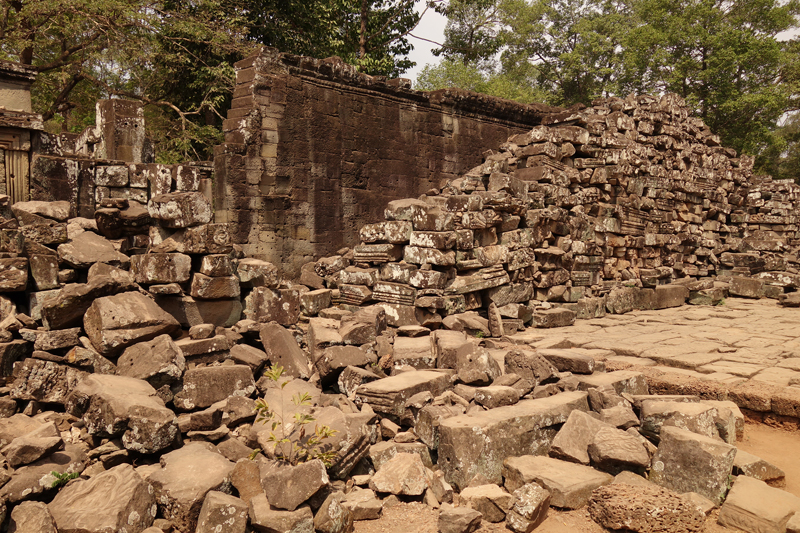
722	56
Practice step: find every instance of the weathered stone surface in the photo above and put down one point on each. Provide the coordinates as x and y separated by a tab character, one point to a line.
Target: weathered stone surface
449	347
528	508
264	304
32	211
13	274
44	381
69	306
570	485
118	405
569	361
161	268
336	358
747	464
266	519
553	318
44	269
403	474
479	443
333	516
33	445
89	248
282	349
363	504
257	273
186	476
214	288
573	439
477	368
528	364
29	481
180	209
381	452
696	417
222	512
689	462
312	302
755	507
32	517
204	386
621	381
159	361
113	323
489	500
113	501
458	520
415	352
644	509
496	396
389	395
613	450
288	487
13	351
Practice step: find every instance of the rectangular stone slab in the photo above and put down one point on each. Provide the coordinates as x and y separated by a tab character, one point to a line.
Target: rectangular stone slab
479	443
570	484
389	395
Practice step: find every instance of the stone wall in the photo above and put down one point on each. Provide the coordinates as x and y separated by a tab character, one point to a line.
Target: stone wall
314	150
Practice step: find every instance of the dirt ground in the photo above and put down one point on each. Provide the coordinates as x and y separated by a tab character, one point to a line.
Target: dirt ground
775	445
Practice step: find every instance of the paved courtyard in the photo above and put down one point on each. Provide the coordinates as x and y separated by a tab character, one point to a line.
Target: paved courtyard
742	345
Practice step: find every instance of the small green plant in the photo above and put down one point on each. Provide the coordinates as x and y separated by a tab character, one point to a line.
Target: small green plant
295	445
479	334
721	302
62	479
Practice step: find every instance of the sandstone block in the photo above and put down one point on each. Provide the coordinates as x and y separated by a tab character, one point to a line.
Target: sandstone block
180	209
187	475
161	268
222	512
86	505
478	443
570	485
755	507
528	508
204	386
688	462
113	323
644	509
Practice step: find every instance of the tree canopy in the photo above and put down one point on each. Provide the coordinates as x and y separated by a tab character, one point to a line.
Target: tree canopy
723	56
177	56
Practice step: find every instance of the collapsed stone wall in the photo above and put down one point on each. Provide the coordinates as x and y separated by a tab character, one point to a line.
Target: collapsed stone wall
126	361
602	209
314	150
112	160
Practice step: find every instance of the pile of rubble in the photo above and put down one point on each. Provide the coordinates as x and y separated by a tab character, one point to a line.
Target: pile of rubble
629	204
133	385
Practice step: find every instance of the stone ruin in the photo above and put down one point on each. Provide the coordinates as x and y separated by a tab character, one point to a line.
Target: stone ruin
135	339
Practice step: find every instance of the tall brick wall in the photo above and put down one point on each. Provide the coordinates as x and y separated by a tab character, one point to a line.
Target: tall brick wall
314	150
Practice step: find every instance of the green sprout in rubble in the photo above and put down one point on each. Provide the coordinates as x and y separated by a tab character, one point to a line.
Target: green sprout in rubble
295	446
62	479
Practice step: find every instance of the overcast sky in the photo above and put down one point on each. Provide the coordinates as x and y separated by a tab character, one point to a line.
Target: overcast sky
430	27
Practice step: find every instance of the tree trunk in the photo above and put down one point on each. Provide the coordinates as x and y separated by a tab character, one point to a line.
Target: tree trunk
362	41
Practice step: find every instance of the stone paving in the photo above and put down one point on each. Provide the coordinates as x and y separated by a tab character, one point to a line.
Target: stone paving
741	345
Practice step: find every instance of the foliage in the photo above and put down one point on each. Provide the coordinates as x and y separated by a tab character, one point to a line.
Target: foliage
724	58
371	34
62	479
292	444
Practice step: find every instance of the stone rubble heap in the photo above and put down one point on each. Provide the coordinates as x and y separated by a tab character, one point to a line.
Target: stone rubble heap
629	204
128	366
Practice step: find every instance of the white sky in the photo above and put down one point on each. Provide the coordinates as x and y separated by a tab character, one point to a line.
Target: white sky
430	27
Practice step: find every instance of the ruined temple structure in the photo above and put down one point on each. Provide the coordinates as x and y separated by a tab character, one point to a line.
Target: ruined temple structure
393	252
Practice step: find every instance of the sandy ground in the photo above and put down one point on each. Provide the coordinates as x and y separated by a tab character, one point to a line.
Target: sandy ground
778	446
